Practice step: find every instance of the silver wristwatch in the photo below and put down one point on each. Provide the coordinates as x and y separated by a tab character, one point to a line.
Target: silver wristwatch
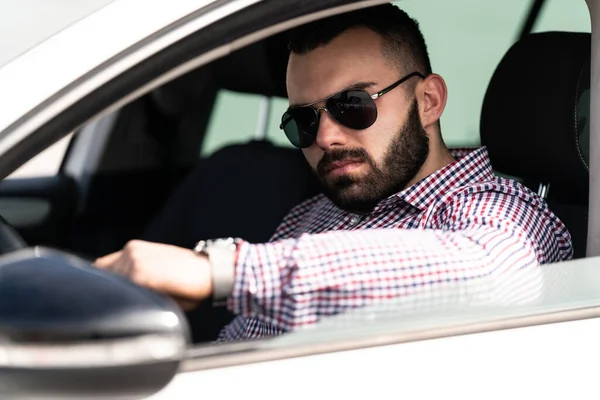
221	256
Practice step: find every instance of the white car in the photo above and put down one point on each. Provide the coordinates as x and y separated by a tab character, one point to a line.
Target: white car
156	114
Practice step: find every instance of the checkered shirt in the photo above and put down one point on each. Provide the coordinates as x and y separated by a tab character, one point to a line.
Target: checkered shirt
459	223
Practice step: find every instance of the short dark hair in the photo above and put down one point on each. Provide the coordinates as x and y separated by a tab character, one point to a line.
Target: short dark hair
403	40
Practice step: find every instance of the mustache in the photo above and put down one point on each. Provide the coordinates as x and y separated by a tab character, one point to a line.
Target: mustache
359	155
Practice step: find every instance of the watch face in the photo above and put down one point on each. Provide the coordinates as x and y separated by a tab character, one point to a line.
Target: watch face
203	245
223	241
226	243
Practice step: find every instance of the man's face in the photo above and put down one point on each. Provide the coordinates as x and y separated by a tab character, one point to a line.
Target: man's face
359	168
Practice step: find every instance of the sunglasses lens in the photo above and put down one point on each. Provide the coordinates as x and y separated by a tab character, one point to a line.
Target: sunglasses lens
300	126
354	109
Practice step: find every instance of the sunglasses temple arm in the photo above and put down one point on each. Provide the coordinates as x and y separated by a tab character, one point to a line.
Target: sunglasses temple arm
395	85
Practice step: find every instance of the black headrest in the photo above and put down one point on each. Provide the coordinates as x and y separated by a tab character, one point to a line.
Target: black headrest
259	68
535	115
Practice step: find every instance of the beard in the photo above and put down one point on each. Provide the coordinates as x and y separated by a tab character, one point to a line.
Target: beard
403	159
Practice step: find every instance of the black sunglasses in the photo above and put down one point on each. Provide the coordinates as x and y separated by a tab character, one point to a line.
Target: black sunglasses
353	108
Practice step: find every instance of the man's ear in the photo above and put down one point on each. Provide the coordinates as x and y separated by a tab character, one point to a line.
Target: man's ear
432	94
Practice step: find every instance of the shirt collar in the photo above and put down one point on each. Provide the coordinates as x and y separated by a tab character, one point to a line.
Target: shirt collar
471	165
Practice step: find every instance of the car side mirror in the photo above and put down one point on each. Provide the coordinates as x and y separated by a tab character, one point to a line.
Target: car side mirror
70	330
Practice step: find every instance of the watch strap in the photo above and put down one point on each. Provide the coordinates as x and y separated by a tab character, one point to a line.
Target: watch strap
221	256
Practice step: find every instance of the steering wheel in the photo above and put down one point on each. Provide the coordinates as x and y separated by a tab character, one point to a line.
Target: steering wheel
10	239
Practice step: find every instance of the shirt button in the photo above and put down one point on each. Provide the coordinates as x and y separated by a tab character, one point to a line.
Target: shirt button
354	220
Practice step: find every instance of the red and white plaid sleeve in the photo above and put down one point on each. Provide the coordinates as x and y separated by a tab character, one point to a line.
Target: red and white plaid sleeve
292	283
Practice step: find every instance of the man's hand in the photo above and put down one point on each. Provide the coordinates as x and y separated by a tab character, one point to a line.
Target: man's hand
175	271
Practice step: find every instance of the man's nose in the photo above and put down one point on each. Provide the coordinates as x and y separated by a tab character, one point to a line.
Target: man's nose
330	133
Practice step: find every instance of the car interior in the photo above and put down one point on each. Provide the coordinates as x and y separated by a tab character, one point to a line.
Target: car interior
150	182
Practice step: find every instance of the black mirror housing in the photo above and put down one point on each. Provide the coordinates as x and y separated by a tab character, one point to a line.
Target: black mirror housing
70	330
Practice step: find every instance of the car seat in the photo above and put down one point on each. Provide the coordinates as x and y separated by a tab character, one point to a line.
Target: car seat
535	122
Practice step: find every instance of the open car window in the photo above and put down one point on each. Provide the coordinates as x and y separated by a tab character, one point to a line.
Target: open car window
465	45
